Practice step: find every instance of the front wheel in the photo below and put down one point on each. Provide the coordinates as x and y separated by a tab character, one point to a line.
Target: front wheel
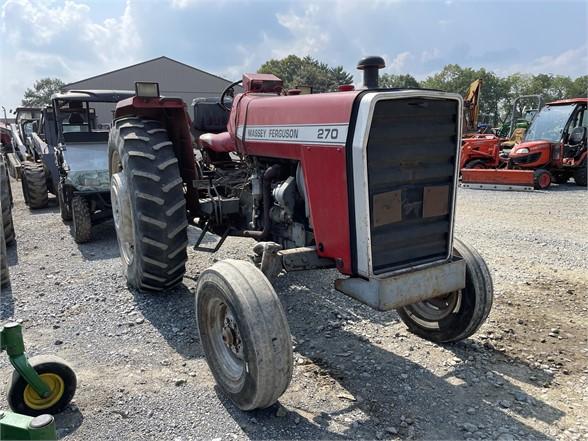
475	164
457	315
64	208
580	175
57	375
244	333
81	219
541	179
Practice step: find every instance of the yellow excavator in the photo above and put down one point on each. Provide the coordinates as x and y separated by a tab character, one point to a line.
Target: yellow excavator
471	107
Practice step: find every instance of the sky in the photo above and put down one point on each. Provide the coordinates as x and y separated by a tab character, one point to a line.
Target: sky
76	39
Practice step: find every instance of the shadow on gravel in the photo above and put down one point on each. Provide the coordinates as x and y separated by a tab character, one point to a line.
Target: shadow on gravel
103	245
53	207
569	187
12	254
6	303
264	424
172	314
68	421
503	363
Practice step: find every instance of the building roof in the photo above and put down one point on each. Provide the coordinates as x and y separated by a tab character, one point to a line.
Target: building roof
98	96
163	57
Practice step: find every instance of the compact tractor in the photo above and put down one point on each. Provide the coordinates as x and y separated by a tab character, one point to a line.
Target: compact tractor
488	150
553	149
343	180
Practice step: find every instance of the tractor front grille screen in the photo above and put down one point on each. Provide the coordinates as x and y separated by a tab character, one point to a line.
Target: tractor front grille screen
411	154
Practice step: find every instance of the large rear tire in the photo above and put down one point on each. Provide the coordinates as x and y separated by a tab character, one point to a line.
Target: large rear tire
457	315
6	204
4	272
244	333
148	204
34	185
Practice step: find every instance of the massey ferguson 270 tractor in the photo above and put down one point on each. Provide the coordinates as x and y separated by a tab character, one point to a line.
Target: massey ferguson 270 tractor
363	181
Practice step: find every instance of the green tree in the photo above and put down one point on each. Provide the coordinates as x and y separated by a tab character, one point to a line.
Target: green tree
307	71
40	94
579	87
392	80
454	78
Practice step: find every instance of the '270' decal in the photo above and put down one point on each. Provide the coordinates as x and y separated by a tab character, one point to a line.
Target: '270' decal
324	134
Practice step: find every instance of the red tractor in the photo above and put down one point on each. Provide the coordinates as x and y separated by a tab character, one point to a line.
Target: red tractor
343	180
553	149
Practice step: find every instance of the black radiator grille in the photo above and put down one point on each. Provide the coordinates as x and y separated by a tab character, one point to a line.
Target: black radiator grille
411	154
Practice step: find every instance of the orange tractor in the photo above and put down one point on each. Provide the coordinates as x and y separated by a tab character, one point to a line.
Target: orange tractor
553	150
484	150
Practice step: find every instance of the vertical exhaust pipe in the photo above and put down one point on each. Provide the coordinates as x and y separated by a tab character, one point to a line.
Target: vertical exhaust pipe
370	67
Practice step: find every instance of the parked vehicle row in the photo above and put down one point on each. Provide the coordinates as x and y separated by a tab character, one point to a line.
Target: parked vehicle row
62	149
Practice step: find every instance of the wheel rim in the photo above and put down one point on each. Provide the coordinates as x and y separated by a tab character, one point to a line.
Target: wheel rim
430	312
226	341
544	180
55	384
123	217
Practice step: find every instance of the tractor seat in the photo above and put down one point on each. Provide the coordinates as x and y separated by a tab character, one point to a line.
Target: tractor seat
217	142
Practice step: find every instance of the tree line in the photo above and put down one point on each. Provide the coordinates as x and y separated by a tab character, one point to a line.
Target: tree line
497	95
496	98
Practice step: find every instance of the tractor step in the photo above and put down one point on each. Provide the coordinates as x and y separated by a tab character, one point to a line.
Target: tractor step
498	179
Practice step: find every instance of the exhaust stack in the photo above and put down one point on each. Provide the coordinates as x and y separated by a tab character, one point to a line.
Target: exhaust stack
370	67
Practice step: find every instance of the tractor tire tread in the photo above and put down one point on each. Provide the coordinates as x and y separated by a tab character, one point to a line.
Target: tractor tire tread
82	220
6	205
156	202
35	181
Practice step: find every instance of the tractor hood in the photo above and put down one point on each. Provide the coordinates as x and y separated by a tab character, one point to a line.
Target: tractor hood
526	148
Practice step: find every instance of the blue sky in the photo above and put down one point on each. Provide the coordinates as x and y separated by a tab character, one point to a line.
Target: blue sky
75	39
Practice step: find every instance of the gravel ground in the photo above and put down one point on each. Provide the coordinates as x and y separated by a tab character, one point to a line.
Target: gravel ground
358	373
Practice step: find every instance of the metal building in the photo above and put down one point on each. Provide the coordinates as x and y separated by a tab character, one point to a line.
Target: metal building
175	79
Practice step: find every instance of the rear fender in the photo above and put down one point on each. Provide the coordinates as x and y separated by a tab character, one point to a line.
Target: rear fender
172	114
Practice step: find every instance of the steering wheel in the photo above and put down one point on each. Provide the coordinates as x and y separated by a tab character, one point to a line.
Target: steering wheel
229	88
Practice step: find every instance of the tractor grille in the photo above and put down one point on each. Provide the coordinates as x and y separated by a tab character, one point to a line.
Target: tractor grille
411	154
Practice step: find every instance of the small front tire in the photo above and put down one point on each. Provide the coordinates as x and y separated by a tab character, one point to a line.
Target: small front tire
580	175
64	208
81	219
541	179
244	333
56	374
457	315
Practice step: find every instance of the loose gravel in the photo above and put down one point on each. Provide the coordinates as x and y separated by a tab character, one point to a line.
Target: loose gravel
358	373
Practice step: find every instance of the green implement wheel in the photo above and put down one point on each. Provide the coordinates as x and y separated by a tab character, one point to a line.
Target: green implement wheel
56	374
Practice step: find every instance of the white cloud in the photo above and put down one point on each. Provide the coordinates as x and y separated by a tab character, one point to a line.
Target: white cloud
61	40
308	36
399	63
573	62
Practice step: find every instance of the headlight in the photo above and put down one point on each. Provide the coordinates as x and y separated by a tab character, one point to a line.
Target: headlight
523	150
